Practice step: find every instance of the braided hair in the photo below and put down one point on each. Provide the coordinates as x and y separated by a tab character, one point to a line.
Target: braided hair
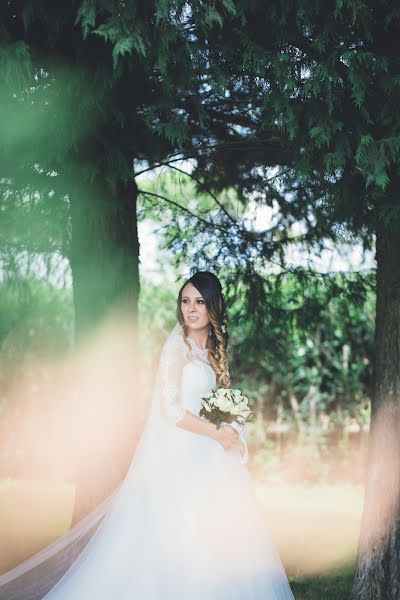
209	286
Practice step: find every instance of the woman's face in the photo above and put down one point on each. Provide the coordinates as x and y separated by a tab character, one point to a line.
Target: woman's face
194	308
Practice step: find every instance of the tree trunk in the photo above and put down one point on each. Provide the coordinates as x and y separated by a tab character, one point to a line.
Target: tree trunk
261	433
294	404
377	575
104	252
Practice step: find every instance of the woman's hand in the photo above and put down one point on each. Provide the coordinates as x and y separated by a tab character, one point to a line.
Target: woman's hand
227	436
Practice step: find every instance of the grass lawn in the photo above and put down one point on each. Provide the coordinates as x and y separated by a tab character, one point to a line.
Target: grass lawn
315	529
331	586
32	515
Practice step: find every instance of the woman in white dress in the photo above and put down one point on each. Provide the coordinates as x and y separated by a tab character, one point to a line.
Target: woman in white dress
185	523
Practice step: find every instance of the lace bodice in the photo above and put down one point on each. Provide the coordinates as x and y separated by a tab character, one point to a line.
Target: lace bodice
185	376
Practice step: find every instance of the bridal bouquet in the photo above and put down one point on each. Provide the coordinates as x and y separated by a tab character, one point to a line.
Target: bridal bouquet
228	406
225	405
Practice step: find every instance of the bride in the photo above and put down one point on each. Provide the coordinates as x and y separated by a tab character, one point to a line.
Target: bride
185	523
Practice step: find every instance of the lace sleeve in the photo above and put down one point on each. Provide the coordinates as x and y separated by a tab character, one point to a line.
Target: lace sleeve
171	364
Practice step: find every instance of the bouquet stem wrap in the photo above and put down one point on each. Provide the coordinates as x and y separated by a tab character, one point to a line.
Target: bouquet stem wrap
241	429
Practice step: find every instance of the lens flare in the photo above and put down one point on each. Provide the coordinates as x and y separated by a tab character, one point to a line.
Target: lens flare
69	429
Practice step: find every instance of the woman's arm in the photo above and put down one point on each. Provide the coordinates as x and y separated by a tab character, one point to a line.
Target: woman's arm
227	436
172	362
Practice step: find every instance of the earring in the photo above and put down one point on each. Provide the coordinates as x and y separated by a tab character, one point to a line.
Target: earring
210	330
223	328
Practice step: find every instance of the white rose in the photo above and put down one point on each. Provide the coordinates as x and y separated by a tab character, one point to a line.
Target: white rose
227	405
223	391
224	403
242	410
217	400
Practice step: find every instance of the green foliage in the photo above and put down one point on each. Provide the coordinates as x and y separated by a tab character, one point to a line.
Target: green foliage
310	341
345	84
311	89
36	321
157	306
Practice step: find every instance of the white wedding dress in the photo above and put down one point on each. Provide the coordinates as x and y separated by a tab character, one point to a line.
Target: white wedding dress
185	523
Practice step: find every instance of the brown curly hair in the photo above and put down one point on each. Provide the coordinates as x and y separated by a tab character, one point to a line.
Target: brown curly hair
209	286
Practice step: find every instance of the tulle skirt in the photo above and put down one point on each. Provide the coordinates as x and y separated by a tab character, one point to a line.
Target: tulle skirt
184	524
